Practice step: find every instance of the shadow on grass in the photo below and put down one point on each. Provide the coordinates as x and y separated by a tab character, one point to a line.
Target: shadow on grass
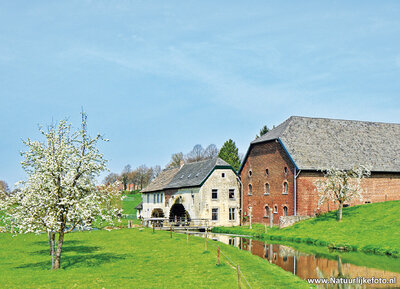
76	249
68	242
78	261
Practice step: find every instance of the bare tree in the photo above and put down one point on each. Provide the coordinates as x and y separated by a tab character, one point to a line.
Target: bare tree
125	175
4	187
156	171
211	152
111	178
176	160
341	186
196	154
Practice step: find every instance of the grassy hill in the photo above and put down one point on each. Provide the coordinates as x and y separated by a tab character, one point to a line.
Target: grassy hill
131	200
373	228
132	258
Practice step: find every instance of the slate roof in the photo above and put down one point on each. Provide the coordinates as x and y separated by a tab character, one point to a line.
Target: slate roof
189	175
161	181
317	143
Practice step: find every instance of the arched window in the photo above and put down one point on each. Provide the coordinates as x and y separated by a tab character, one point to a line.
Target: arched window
285	211
250	189
267	211
267	189
285	188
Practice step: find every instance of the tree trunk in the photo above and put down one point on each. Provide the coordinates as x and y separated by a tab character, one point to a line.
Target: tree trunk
52	237
57	262
340	211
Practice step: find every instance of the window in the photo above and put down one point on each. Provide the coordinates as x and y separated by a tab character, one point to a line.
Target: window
285	211
232	241
346	205
214	194
162	197
214	214
154	198
285	170
285	188
148	198
231	194
158	198
275	209
231	214
250	189
266	211
250	173
223	175
368	202
284	258
267	172
267	189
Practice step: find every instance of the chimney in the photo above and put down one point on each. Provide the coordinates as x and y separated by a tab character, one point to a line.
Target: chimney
181	163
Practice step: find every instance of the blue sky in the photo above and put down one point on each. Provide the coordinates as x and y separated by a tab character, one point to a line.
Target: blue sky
158	77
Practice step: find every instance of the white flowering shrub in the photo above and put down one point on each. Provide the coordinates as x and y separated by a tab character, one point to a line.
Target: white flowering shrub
341	185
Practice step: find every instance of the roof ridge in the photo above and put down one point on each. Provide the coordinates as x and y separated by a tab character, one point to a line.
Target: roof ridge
342	119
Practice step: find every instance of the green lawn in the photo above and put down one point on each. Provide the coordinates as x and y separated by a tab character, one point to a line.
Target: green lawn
131	200
373	228
130	258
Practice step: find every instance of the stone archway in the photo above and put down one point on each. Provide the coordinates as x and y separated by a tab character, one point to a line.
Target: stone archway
158	213
178	213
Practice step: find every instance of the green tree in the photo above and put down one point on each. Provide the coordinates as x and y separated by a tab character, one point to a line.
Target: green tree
263	131
230	153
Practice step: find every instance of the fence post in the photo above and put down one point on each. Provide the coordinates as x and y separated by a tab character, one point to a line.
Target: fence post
219	261
238	271
250	215
170	230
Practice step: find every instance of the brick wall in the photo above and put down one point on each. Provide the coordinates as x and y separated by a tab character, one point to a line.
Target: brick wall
271	156
379	187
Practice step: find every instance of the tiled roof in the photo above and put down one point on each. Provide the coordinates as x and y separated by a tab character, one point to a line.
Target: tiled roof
161	181
189	175
318	143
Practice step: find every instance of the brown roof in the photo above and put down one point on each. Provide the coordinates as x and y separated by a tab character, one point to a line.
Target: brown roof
161	181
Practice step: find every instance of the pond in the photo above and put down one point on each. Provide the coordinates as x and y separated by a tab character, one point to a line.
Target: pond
319	262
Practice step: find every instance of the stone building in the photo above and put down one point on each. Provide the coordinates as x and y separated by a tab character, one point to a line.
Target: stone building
207	189
280	168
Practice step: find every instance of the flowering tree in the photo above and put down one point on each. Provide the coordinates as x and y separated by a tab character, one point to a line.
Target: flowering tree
341	186
60	194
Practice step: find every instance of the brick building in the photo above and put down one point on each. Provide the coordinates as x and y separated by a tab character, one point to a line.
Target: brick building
280	168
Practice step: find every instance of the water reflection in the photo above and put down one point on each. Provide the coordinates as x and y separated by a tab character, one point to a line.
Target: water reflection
306	265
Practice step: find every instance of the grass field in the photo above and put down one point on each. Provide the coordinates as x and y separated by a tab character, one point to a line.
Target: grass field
372	228
130	258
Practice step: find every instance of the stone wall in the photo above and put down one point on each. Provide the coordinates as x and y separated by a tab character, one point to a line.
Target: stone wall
290	220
